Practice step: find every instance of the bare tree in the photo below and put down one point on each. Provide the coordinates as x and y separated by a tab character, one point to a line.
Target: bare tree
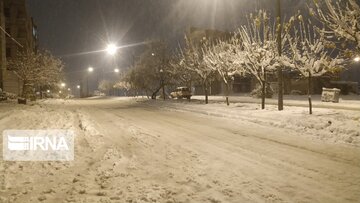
311	53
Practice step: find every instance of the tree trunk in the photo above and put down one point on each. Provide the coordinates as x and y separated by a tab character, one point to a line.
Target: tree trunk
163	88
263	92
24	90
309	93
227	94
206	94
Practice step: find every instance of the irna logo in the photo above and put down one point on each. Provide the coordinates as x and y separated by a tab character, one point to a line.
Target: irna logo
38	145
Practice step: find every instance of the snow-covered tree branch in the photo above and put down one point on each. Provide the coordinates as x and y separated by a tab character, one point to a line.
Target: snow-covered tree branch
192	59
311	53
221	57
341	19
39	68
259	50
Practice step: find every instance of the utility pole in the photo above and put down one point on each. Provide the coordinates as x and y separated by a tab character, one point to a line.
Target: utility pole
279	68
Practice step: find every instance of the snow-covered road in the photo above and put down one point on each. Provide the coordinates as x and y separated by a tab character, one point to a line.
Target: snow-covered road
131	150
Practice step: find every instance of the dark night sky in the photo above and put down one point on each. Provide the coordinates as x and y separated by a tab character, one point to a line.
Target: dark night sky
73	26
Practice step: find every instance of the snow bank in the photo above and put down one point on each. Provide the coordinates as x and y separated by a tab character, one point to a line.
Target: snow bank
330	125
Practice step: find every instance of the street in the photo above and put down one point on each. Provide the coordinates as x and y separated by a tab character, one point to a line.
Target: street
129	150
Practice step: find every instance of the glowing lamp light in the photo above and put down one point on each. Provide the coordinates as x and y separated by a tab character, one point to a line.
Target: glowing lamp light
90	69
357	59
48	91
116	70
111	49
63	84
78	86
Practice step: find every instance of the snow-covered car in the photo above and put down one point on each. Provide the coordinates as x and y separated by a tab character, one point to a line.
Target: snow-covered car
181	92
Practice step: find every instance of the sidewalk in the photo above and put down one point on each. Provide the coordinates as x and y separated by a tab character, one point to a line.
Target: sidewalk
347	102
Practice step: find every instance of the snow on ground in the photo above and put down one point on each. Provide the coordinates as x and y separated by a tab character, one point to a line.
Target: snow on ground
328	124
136	150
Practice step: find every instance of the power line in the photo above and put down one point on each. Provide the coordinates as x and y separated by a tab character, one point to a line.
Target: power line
7	34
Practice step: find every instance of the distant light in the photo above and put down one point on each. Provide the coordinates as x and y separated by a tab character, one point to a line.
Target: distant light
116	70
59	92
90	69
63	84
152	54
111	49
161	70
357	59
78	86
69	89
48	91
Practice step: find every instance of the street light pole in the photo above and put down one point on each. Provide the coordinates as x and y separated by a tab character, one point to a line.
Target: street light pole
90	69
279	68
87	85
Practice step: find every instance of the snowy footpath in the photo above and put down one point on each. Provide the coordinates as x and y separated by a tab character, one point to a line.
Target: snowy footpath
139	151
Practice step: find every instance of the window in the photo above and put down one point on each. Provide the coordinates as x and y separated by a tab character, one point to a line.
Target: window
34	32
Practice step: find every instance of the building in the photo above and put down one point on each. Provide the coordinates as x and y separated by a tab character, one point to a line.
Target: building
2	45
21	34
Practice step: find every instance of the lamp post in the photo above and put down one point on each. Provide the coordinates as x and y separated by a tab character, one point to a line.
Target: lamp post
90	70
279	69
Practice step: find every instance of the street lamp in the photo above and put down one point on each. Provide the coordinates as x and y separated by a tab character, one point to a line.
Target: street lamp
63	84
90	69
116	70
111	49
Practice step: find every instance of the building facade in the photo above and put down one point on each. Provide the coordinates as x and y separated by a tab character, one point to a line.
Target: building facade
20	35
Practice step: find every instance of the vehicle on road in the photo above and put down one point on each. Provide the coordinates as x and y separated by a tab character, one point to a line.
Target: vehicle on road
181	92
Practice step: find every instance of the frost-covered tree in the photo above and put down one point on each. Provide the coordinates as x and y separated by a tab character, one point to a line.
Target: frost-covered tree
259	49
106	86
222	58
311	53
341	19
39	68
181	76
192	59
